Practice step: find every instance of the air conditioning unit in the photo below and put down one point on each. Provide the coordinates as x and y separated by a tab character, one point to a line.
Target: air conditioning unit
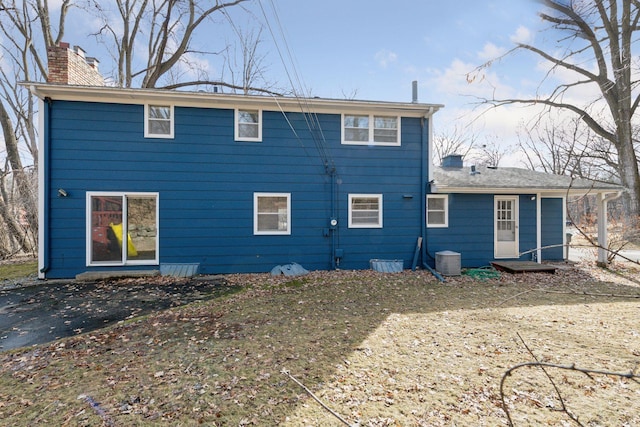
448	263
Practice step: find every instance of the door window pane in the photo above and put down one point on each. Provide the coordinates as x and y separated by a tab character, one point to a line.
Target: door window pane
106	211
142	228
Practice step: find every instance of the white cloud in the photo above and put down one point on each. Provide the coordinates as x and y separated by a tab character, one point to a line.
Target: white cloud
464	79
522	35
385	57
491	51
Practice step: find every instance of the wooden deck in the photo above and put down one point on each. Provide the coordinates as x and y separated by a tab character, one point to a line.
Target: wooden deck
523	267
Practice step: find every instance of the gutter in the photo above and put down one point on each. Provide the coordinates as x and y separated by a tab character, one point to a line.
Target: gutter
426	171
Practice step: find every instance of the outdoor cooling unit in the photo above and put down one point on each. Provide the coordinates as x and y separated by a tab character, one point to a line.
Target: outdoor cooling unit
448	263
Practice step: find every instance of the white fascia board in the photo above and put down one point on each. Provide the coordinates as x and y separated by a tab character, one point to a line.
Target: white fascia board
544	192
216	100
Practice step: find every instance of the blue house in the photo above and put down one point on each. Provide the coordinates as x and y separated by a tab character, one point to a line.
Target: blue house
134	179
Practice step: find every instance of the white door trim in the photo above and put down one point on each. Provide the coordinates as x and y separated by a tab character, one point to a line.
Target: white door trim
506	227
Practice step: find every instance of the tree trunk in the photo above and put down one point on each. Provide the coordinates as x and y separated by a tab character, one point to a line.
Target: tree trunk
25	195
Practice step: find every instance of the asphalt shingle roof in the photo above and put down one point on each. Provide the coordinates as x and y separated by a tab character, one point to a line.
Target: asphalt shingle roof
514	180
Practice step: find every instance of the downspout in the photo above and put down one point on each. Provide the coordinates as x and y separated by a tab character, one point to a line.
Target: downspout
426	168
333	229
539	227
44	185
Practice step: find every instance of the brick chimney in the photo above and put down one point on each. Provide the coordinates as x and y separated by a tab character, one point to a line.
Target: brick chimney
72	67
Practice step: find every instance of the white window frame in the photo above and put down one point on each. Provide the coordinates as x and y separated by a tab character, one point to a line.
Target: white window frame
89	228
378	224
237	123
371	139
444	197
147	119
258	232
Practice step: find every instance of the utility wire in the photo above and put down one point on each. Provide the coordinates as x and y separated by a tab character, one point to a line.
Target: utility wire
311	119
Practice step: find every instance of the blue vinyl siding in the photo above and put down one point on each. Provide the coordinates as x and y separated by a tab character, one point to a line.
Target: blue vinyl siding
471	229
528	226
552	228
206	181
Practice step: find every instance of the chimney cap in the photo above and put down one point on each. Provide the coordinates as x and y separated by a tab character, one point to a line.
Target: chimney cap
452	161
80	51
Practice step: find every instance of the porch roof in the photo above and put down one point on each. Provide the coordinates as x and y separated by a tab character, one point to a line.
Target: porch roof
503	180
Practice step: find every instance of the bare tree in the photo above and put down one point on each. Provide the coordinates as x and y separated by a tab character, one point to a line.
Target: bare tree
568	147
245	63
491	152
461	140
27	28
167	28
596	39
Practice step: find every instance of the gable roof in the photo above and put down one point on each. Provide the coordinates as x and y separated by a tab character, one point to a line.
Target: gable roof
108	94
501	180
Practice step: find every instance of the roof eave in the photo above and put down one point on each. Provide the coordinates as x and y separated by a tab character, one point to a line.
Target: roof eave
556	192
217	100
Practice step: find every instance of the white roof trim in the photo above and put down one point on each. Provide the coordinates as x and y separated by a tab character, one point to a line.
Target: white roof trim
108	94
544	192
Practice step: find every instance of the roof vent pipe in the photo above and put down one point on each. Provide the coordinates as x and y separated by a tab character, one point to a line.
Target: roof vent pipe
414	91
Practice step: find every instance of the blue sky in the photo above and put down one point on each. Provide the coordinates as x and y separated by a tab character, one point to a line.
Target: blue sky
374	49
377	49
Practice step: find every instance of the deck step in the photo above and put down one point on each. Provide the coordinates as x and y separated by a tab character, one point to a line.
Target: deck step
523	267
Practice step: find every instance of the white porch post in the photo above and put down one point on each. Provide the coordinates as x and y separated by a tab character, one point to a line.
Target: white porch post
539	228
602	229
603	240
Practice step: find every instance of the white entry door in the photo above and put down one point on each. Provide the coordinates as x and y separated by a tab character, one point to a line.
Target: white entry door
506	227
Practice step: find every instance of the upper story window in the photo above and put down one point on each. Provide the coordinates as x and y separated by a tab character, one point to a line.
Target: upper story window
271	213
365	210
370	129
437	210
158	121
248	125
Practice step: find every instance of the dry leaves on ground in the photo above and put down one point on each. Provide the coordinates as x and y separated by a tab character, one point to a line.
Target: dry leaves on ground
379	349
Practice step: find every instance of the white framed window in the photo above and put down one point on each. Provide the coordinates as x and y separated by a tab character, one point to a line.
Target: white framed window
437	210
158	121
248	125
272	213
122	228
365	210
362	129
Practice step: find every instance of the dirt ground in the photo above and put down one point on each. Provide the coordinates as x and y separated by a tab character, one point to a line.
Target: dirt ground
377	349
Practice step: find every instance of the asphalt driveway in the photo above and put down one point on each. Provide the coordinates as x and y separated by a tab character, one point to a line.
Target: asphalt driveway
46	311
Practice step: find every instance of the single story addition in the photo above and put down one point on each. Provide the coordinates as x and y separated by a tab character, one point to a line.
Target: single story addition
508	213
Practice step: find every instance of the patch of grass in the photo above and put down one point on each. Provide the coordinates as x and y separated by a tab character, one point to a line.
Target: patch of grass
380	349
295	283
19	269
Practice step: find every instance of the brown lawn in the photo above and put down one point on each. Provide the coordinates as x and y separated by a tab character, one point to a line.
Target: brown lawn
378	349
